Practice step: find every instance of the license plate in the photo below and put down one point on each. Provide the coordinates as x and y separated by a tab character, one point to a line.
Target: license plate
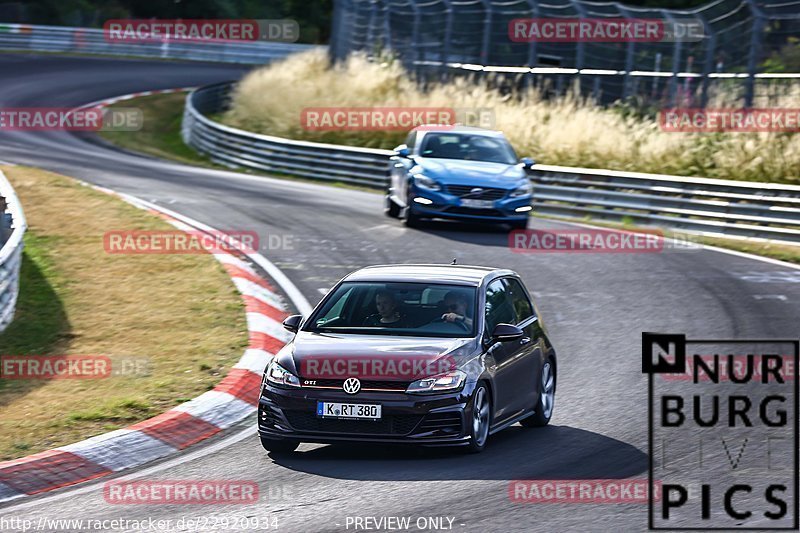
355	411
480	204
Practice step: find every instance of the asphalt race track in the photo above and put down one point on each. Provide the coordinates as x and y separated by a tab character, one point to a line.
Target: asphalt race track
595	306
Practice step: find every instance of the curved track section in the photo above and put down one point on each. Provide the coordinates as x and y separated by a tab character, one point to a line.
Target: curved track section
595	305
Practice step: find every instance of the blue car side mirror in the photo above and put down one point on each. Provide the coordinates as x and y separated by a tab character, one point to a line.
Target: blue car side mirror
402	151
527	162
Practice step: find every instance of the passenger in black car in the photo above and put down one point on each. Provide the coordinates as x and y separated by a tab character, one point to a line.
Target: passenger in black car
388	314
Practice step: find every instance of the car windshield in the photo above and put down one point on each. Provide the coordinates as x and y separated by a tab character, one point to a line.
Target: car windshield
469	147
398	309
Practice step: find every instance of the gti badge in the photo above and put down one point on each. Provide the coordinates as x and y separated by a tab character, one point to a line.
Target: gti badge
351	385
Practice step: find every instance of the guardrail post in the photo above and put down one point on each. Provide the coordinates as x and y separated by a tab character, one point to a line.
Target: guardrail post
676	62
533	56
487	31
336	48
448	34
756	35
630	52
580	48
708	64
415	39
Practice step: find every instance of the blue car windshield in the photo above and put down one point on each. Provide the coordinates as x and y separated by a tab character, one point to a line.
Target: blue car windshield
398	309
469	147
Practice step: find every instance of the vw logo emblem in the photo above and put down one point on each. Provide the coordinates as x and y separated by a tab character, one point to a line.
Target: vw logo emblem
351	385
476	190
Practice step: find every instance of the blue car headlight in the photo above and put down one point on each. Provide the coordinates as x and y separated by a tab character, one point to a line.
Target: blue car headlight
426	183
526	189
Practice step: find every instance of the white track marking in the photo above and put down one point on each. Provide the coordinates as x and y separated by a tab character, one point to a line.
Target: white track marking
746	255
291	290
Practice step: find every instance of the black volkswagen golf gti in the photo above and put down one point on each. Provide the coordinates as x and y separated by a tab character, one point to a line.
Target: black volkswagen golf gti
427	354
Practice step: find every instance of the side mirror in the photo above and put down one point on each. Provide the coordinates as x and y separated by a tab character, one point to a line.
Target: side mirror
402	151
292	323
527	162
506	333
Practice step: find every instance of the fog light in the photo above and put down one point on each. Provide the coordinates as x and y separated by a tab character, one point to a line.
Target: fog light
423	201
523	209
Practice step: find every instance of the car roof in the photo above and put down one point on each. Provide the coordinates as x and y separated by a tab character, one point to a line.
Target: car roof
440	128
435	273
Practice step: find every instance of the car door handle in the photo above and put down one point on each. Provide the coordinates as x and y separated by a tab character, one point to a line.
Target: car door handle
525	340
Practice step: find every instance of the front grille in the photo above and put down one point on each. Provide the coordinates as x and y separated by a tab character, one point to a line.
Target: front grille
365	384
474	211
465	191
388	425
439	424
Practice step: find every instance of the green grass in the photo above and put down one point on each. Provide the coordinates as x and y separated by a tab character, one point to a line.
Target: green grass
177	312
40	322
160	135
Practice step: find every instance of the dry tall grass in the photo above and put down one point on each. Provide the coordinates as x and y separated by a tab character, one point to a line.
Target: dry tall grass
566	131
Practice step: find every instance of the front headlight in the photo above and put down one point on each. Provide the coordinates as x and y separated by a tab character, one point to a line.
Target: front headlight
424	182
449	381
526	189
277	375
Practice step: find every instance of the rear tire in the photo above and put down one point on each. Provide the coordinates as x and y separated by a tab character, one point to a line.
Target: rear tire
479	419
279	445
546	399
391	209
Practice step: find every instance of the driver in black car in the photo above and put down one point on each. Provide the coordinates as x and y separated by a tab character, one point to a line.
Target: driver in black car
456	304
388	315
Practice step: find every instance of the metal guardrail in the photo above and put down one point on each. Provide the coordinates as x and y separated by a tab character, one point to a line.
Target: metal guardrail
708	206
10	254
93	41
238	148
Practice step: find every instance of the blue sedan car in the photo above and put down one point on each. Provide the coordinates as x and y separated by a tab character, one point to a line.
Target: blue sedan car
459	172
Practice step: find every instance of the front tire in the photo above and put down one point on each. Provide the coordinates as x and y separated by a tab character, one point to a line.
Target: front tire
479	420
519	224
411	219
279	445
392	209
546	399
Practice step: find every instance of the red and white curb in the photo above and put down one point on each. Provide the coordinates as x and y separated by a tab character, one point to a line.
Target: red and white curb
231	401
111	101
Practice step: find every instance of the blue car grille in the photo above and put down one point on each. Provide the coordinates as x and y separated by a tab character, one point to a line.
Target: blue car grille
465	191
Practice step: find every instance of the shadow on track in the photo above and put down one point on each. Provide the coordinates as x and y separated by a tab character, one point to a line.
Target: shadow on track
471	233
553	452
